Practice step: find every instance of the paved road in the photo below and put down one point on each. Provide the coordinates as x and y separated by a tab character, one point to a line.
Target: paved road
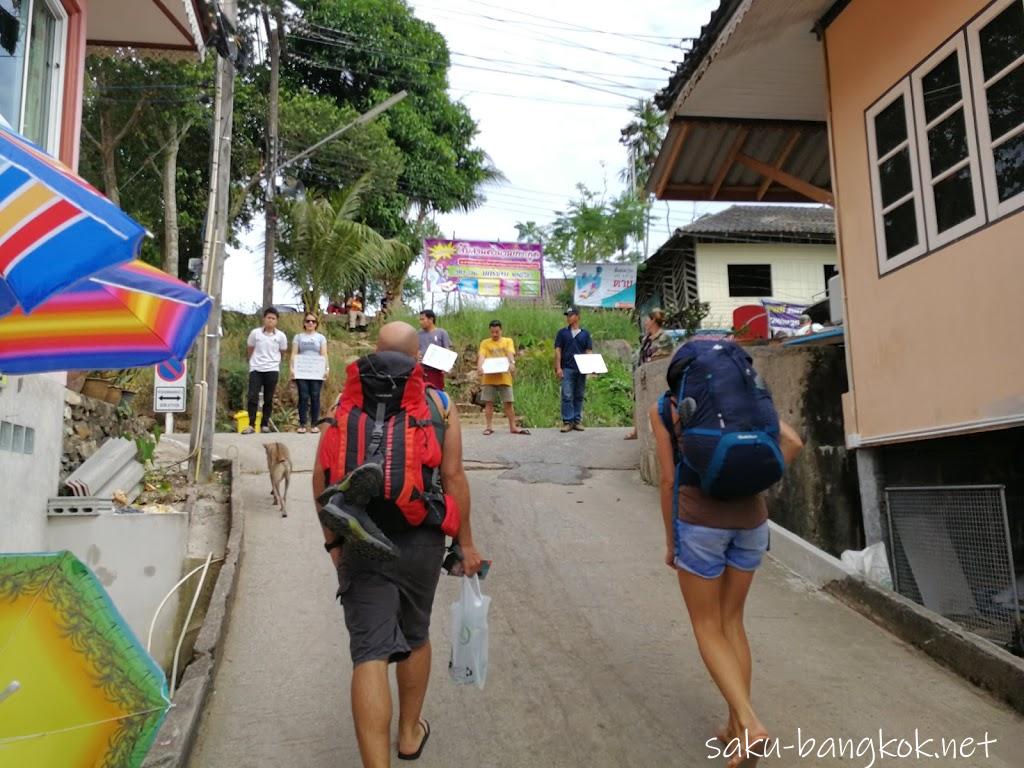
592	659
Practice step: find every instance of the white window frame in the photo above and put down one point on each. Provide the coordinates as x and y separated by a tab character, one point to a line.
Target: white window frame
886	264
996	209
56	105
937	239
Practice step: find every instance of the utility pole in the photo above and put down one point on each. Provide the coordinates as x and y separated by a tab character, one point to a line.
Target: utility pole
218	211
270	208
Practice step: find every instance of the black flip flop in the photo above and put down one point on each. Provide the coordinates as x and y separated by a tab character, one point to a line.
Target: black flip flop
426	735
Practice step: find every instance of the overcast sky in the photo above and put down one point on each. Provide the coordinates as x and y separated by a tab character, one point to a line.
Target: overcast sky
512	64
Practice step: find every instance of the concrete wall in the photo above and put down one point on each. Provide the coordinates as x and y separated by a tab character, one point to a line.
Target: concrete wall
28	480
138	557
798	274
818	499
901	326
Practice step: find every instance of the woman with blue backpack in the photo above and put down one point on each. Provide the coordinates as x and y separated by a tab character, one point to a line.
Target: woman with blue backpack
720	445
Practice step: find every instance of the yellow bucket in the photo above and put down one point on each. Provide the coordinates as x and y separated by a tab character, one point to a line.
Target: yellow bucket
242	420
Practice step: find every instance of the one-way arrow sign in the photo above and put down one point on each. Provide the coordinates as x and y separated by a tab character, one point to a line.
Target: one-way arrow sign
169	399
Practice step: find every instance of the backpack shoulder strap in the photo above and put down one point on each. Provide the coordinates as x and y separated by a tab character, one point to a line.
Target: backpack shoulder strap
665	412
440	406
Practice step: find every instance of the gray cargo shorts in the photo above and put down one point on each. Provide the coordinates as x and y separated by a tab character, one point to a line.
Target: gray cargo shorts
387	604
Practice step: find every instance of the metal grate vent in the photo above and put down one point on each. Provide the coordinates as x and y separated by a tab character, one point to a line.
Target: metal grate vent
950	550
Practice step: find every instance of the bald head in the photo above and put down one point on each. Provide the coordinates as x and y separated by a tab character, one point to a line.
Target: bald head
397	336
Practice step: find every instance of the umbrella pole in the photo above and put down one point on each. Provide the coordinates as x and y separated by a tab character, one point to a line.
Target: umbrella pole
9	691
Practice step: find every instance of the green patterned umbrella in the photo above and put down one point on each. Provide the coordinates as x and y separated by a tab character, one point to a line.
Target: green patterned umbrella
77	689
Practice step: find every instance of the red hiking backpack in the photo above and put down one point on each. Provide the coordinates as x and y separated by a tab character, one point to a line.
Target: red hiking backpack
384	415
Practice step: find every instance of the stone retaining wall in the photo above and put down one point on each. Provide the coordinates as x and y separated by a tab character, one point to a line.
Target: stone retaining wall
88	423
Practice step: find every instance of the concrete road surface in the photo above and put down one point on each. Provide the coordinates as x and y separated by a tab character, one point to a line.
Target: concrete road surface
592	659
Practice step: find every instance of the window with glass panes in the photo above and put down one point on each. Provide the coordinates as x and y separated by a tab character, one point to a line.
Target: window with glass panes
996	43
946	143
896	185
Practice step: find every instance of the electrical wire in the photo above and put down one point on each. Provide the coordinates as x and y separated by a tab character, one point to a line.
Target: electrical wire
535	76
561	24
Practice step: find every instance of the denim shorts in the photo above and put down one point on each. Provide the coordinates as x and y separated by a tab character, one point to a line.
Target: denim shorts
706	552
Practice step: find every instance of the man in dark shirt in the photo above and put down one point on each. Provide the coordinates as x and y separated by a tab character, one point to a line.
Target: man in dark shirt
430	334
569	342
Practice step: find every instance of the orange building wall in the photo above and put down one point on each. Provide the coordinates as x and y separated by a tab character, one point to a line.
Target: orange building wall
935	346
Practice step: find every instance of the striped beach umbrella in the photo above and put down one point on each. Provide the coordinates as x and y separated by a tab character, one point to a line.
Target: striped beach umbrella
55	228
76	686
122	317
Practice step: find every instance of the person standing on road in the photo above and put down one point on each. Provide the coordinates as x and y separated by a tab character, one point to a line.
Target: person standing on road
309	342
715	546
388	604
498	385
264	348
431	334
569	342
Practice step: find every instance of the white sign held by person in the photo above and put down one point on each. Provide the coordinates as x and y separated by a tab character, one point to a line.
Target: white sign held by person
495	365
310	366
592	363
440	358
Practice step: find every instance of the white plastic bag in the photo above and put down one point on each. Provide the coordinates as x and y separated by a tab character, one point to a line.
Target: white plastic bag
468	664
871	563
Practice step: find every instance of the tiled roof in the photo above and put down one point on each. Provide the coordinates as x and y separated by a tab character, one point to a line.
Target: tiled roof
701	46
766	220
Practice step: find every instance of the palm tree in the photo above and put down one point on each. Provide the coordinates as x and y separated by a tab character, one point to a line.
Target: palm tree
324	251
642	136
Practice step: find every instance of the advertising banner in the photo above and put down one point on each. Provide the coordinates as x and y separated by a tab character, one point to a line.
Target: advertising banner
783	316
506	270
605	285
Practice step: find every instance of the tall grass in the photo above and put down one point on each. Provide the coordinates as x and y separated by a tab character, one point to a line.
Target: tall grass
531	326
608	400
538	395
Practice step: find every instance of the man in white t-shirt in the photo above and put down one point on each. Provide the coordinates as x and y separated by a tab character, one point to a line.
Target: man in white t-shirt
264	349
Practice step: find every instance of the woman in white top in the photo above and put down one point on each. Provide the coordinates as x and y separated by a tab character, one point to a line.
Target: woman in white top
309	343
264	348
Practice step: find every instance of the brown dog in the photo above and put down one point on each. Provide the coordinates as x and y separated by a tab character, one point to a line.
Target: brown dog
279	464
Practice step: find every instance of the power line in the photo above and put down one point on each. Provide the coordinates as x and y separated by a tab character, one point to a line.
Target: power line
532	75
648	61
338	35
474	91
566	26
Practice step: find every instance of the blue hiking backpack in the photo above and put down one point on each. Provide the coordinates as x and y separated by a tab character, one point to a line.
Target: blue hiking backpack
729	443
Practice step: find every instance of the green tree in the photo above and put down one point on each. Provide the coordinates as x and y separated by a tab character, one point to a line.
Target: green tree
325	251
593	229
365	50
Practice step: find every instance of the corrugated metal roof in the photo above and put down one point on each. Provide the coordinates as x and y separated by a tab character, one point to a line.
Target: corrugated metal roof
698	149
739	220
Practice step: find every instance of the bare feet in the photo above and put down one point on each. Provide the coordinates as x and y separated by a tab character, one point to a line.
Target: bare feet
749	747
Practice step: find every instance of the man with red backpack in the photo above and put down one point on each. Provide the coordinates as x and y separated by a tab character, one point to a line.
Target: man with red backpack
393	461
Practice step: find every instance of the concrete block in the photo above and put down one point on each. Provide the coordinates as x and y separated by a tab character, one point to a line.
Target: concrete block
138	558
